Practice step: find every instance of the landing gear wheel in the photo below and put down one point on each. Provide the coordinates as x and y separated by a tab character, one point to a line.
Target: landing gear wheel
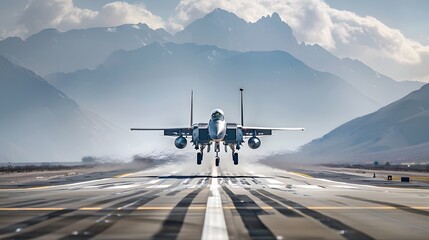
199	158
217	161
235	158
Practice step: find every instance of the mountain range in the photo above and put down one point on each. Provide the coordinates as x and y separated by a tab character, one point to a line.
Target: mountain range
401	126
52	51
226	30
40	123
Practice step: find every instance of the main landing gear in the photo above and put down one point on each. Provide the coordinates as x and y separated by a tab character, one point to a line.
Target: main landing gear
235	158
234	154
217	161
217	150
199	158
200	155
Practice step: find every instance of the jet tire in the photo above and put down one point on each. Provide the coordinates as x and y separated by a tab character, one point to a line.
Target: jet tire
199	158
235	158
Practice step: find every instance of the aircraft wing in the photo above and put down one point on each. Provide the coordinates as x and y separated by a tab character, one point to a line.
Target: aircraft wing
258	131
185	131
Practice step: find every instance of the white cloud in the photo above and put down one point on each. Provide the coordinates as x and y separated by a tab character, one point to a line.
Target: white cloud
349	29
116	13
56	13
344	33
313	21
64	15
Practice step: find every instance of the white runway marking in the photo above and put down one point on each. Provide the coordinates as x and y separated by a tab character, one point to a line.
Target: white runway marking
93	186
198	185
232	184
103	218
343	186
153	181
79	183
159	186
214	220
123	186
275	186
186	181
273	181
54	186
307	186
365	185
214	171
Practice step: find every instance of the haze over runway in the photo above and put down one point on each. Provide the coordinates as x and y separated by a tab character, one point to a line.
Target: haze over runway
230	202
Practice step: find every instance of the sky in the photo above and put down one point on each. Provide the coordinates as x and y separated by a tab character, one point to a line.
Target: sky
410	17
391	36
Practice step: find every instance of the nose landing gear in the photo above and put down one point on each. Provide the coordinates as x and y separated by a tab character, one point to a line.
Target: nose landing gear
217	161
217	150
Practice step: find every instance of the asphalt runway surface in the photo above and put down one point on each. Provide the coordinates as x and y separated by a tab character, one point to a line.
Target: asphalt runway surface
248	201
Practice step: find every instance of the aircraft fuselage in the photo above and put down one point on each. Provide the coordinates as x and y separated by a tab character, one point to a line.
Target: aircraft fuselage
217	126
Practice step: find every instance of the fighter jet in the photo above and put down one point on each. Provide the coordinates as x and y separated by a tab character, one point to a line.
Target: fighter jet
217	132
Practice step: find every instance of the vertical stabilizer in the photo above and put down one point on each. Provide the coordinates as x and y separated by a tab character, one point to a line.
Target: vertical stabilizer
192	107
242	118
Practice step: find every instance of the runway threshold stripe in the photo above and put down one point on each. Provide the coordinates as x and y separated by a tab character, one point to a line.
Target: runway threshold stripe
255	227
173	224
343	229
214	219
394	205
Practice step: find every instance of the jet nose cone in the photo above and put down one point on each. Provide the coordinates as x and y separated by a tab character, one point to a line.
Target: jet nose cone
219	131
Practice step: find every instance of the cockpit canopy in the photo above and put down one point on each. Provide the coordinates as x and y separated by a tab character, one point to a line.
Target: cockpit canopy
217	114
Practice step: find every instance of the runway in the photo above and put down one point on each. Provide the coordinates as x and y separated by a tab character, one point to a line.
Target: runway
249	201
